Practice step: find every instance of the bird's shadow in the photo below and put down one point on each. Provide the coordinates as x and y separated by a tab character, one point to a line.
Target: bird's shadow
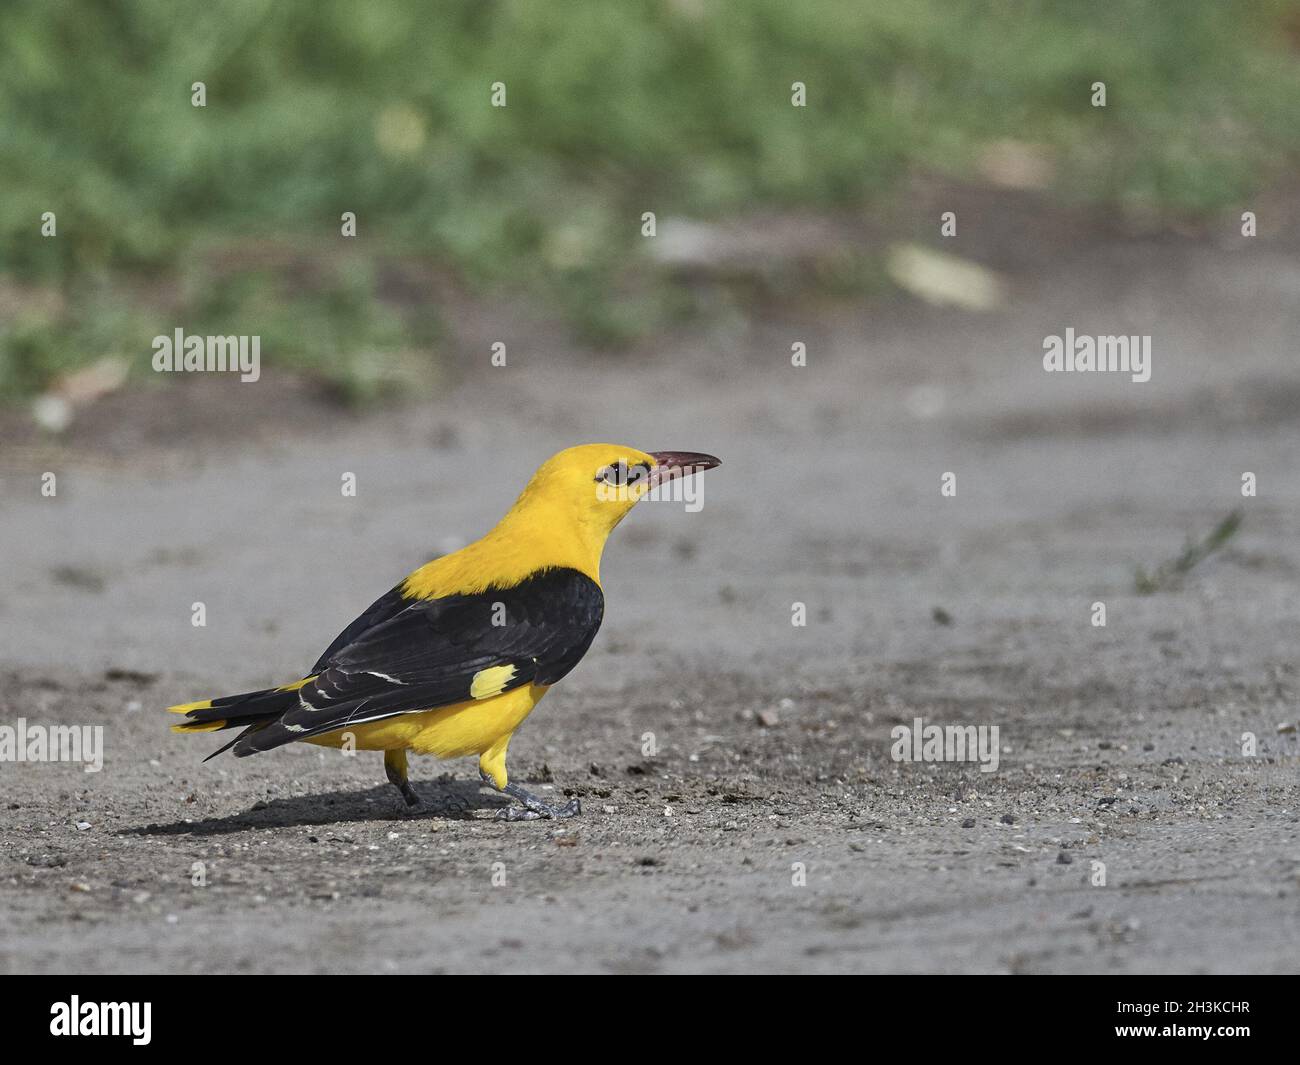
444	801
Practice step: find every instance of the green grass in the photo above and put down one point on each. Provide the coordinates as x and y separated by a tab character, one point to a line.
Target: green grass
1170	573
677	106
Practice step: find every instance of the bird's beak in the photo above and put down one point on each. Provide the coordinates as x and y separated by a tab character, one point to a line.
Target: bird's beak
669	465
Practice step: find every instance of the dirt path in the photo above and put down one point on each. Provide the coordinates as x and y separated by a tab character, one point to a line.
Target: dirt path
1121	745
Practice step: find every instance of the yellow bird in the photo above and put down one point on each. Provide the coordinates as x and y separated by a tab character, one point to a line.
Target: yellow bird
453	659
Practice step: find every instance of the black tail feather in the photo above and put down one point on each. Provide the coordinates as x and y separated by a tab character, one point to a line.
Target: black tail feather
251	728
240	708
249	712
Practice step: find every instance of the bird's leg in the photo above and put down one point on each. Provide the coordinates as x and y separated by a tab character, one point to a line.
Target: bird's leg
534	807
395	767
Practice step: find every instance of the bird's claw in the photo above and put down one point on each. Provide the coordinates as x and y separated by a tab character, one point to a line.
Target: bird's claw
533	808
539	810
517	813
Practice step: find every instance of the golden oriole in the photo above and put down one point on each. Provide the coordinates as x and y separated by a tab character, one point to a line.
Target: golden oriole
453	659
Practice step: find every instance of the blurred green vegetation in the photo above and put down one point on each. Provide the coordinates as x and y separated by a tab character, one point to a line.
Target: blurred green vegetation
229	215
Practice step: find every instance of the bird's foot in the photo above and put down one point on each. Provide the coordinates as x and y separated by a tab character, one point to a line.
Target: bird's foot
413	803
533	808
538	809
399	781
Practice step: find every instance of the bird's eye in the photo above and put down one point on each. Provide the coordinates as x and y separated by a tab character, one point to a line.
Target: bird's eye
615	473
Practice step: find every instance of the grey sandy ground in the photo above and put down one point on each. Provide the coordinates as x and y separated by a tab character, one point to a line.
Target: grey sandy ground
1124	742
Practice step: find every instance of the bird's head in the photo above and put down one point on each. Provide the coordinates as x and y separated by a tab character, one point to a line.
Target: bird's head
597	484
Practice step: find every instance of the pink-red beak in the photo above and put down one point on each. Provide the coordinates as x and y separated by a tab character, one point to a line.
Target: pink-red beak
669	465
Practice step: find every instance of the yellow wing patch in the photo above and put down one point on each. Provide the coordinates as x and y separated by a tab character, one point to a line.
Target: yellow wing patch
491	681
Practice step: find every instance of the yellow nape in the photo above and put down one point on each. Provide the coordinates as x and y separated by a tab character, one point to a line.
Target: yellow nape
480	726
185	708
561	520
199	726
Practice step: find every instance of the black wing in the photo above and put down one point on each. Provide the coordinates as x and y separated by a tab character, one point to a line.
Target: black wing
435	652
